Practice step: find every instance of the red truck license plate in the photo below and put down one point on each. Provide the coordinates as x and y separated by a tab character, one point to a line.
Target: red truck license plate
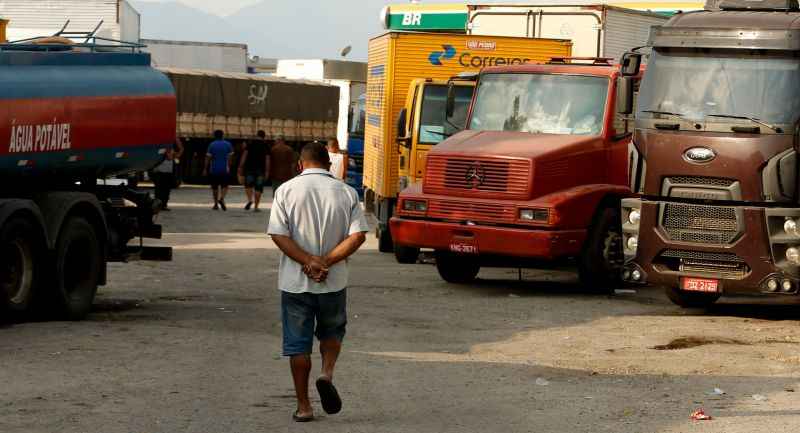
464	247
700	285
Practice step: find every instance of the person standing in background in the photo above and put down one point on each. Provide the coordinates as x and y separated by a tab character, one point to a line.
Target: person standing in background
164	175
218	168
254	168
338	159
282	163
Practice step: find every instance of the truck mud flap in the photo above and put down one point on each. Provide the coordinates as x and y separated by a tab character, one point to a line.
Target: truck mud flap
151	254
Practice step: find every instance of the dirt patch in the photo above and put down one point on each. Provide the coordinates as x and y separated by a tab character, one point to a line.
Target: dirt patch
689	342
115	305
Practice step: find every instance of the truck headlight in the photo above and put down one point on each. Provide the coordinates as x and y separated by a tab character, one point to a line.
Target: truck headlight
538	215
632	243
793	255
415	205
790	227
634	217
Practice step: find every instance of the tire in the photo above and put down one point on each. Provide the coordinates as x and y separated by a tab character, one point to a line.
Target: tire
79	260
689	299
406	255
21	263
600	262
456	268
385	244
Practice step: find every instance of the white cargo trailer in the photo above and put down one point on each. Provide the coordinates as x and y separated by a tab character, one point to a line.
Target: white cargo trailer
29	18
350	77
206	56
596	30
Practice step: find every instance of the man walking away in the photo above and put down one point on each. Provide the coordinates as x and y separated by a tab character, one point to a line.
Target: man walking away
283	163
317	223
254	167
338	159
164	177
218	168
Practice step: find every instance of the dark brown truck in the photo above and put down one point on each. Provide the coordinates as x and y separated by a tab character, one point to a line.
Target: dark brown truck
714	155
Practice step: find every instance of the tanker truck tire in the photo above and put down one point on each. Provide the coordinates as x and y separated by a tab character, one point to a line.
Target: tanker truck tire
691	300
406	255
457	269
79	260
21	249
599	264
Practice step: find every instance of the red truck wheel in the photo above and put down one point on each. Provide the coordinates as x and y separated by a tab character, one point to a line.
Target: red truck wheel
20	259
78	264
600	262
456	268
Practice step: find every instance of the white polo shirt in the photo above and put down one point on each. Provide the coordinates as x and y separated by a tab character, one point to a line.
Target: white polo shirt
318	212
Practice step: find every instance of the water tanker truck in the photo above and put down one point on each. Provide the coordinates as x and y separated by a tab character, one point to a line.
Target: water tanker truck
72	114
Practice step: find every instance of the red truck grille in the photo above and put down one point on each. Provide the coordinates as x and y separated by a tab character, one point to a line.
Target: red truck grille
487	177
468	211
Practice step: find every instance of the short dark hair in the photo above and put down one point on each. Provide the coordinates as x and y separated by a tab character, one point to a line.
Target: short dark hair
218	134
316	152
261	134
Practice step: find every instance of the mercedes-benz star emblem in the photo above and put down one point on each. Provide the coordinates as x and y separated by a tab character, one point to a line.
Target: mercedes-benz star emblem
475	176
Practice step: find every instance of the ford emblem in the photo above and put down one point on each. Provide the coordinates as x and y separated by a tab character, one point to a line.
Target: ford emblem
699	155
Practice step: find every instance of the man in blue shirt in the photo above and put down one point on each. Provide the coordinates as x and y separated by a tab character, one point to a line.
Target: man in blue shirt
218	168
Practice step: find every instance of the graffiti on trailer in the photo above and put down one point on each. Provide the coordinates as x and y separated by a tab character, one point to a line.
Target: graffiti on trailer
258	94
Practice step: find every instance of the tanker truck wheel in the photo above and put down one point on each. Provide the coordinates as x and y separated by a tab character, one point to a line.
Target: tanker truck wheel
689	299
406	255
78	266
600	262
21	250
457	268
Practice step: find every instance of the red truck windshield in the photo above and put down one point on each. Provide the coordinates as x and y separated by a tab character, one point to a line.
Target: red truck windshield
540	103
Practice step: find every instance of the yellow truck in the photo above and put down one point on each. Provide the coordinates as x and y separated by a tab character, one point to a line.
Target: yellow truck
407	84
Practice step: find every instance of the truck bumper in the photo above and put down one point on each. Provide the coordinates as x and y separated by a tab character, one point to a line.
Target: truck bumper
743	266
500	241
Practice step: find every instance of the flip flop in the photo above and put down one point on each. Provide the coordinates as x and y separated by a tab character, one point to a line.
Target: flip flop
298	418
331	402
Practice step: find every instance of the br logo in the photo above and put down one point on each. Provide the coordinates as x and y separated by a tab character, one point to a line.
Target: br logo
436	57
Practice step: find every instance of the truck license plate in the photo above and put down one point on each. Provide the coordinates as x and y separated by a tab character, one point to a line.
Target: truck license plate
700	285
464	247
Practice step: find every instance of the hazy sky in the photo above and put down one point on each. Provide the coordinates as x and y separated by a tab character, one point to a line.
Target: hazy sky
220	7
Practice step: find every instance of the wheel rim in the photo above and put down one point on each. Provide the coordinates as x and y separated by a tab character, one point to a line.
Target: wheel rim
17	265
77	265
612	253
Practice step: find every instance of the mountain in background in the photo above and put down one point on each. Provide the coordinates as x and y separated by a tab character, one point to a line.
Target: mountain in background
271	28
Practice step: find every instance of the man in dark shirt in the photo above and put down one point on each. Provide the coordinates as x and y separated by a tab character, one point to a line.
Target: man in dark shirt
282	163
254	167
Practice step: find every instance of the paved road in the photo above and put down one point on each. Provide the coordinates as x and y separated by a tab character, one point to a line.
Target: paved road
194	346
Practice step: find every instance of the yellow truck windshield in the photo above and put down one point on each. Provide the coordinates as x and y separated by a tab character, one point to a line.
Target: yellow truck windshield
434	127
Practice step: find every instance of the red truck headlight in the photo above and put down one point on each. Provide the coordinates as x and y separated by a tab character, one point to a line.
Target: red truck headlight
415	205
539	215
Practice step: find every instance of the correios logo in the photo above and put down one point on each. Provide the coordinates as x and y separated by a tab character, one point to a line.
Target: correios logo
469	60
436	57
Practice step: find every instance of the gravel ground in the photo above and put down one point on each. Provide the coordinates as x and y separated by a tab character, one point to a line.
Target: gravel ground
194	346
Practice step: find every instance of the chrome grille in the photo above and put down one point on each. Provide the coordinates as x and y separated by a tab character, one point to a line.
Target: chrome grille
732	271
701	181
496	177
702	255
470	211
700	224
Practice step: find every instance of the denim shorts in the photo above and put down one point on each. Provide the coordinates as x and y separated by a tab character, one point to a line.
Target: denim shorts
254	180
300	312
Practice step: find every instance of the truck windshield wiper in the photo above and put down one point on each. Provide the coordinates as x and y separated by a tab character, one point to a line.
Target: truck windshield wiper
666	113
777	129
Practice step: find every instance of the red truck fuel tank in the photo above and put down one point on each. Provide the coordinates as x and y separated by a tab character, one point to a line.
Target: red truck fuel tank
71	114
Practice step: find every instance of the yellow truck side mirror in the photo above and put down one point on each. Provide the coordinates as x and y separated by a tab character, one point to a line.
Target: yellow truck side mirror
402	139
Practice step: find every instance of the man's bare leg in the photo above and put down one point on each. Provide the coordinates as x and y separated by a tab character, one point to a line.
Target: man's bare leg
249	193
330	353
215	194
258	199
223	193
301	368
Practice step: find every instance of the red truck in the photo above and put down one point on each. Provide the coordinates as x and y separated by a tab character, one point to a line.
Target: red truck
73	114
537	176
